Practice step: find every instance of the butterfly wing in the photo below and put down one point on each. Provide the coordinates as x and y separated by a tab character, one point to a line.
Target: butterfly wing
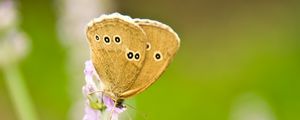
162	45
117	47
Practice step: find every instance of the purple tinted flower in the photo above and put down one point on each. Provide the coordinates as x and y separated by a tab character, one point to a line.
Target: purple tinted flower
96	101
89	68
89	72
110	105
90	113
108	102
90	86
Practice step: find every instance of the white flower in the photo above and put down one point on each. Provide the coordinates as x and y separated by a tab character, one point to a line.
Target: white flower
8	14
14	46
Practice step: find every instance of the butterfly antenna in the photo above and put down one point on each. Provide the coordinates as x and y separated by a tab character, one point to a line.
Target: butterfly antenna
96	92
141	113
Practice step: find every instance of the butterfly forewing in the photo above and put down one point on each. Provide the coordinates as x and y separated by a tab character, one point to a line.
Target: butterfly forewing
114	43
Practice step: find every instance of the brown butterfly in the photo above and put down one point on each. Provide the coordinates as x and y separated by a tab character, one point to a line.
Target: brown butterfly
129	54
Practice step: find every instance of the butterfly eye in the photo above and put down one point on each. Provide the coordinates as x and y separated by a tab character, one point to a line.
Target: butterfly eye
148	46
137	56
106	39
117	39
157	56
129	55
97	37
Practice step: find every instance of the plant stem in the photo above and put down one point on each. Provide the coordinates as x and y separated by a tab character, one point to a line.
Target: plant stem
19	95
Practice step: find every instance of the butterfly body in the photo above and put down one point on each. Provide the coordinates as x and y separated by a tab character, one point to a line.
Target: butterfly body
129	54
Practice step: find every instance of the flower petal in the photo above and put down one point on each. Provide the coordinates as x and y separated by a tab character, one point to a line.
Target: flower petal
91	114
94	104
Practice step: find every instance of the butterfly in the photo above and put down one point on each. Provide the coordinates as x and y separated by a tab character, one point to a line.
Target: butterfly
129	55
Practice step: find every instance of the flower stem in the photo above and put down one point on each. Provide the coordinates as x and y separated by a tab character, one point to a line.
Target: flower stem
18	93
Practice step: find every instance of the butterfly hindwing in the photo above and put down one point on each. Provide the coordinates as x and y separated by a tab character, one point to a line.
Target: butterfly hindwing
161	47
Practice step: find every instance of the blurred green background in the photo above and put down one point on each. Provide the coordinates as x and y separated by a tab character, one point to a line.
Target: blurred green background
239	60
